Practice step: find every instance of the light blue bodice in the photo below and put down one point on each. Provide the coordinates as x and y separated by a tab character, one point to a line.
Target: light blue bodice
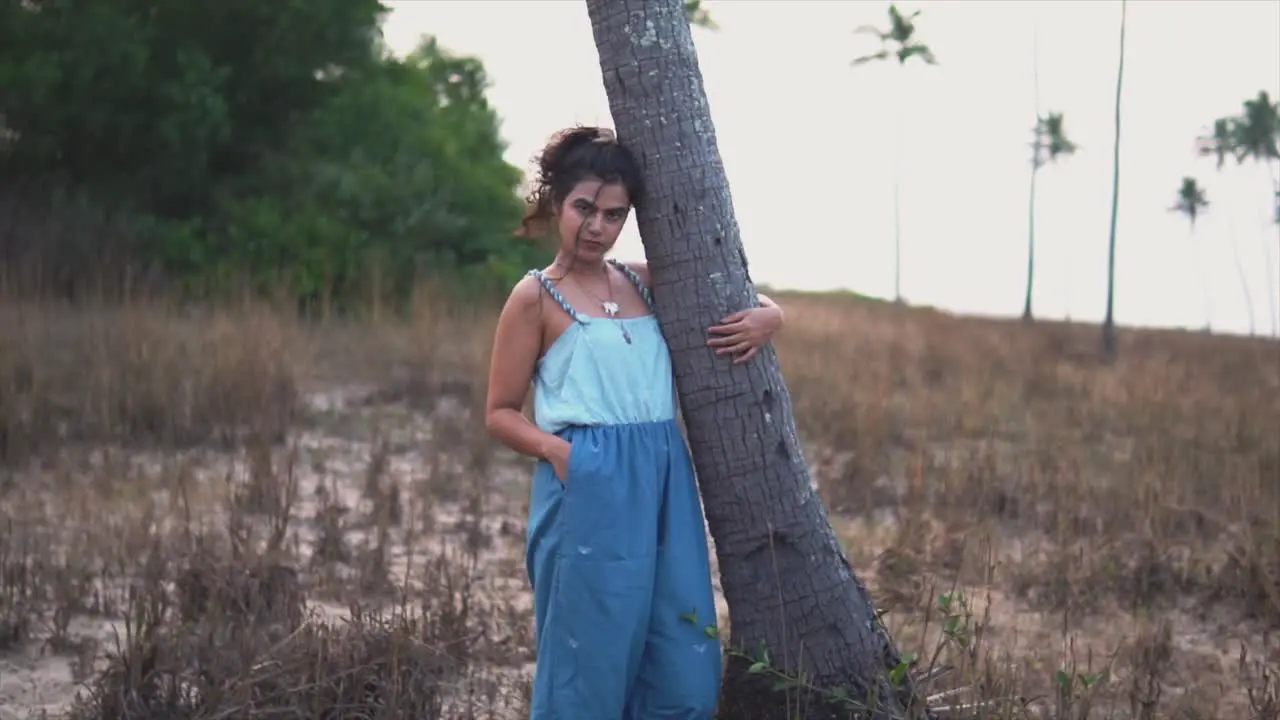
592	374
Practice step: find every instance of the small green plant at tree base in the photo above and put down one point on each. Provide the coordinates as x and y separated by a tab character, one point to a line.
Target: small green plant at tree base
957	631
1074	688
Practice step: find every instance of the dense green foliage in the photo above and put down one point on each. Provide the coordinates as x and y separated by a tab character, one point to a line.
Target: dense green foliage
277	142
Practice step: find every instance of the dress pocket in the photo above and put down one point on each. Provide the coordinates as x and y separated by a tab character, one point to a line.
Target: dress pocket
574	468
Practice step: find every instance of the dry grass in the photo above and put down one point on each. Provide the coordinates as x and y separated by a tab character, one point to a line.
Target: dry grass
228	513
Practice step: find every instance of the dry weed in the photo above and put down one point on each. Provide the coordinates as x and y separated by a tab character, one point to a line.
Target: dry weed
232	513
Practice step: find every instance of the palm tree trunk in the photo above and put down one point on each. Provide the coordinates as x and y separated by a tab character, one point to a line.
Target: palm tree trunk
1272	289
1198	268
787	581
1244	278
897	188
1035	169
1068	272
1109	324
1031	248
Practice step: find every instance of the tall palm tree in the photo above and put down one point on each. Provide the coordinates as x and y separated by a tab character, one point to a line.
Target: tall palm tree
898	41
1257	138
1219	143
1244	278
790	588
1109	323
1254	134
1050	144
1191	203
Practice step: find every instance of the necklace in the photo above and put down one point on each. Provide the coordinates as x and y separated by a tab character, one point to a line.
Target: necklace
611	308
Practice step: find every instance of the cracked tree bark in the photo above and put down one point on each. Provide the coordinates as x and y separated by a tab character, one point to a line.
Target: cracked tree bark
785	577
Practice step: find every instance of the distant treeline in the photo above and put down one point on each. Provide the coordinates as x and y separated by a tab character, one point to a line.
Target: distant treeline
277	145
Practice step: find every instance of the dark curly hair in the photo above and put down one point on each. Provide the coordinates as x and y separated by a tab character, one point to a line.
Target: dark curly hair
571	156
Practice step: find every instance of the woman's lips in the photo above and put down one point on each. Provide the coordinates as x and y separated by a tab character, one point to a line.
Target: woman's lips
593	244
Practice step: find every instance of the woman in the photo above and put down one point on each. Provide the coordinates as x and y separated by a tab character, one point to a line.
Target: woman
616	546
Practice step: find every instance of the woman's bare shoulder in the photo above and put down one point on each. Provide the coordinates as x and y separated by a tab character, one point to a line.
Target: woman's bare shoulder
525	294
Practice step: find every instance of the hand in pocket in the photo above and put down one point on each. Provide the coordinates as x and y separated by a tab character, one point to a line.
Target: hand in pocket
559	459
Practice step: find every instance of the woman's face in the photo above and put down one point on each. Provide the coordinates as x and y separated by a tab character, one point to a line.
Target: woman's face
590	218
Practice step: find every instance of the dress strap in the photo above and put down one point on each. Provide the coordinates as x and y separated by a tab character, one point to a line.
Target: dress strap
635	280
555	295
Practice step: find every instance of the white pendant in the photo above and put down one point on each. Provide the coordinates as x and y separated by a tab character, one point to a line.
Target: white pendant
610	308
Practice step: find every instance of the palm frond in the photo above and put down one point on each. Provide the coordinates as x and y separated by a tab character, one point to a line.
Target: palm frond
906	52
899	35
1258	128
1219	142
869	58
901	28
871	30
1053	131
698	16
1191	199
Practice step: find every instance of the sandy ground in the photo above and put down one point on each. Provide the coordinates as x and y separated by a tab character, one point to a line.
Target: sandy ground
333	461
332	465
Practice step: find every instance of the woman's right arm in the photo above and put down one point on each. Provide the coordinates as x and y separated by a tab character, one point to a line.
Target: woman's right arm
517	342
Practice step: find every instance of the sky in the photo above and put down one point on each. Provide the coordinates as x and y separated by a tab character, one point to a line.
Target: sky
810	143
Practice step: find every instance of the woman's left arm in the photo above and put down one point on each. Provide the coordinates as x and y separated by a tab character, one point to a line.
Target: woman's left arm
743	333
